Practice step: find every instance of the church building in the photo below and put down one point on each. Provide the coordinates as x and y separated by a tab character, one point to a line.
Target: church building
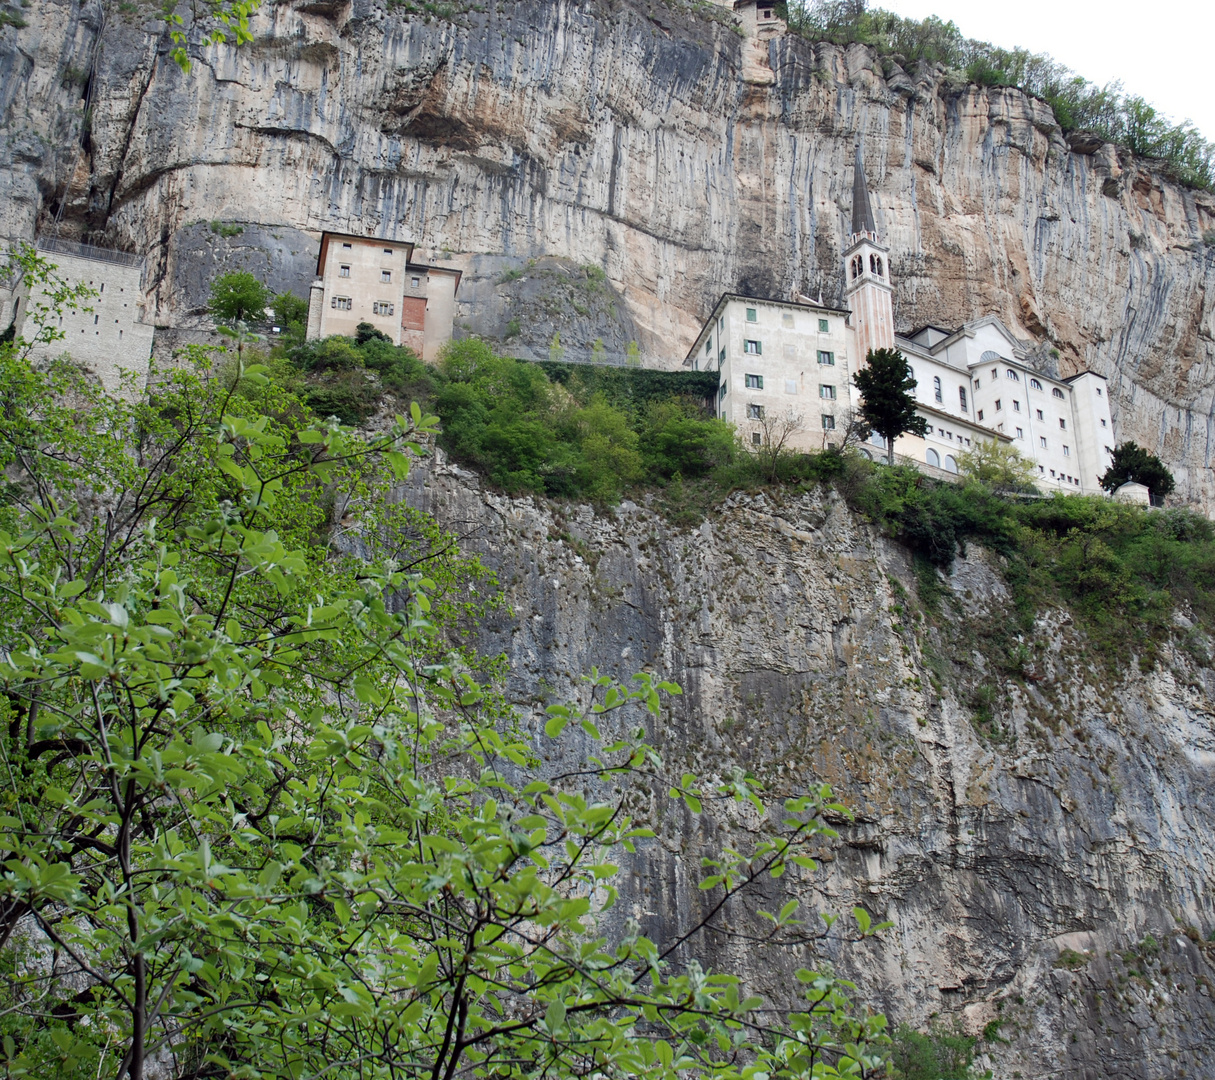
786	372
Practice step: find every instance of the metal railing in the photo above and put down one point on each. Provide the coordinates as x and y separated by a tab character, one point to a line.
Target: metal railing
88	251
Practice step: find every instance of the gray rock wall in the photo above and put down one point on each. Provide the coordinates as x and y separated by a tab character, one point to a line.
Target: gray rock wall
1079	817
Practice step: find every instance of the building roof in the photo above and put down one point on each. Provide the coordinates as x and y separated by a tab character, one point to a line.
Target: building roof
726	297
438	270
961	421
327	236
862	211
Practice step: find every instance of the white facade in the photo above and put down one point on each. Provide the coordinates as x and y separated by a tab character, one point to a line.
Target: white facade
107	334
780	362
973	384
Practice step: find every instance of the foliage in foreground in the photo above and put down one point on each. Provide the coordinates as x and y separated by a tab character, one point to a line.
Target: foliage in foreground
260	820
1078	104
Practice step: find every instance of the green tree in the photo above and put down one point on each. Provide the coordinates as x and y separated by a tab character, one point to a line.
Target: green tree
291	315
273	826
887	387
237	297
1132	463
220	18
998	466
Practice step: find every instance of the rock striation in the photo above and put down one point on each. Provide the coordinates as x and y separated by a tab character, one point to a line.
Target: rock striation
632	135
1045	848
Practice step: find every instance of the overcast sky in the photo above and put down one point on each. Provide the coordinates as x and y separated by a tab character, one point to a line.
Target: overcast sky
1160	51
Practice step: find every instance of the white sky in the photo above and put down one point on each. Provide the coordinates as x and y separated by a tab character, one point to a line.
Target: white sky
1160	51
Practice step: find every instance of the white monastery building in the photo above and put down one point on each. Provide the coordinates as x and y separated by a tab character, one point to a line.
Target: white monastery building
364	279
790	364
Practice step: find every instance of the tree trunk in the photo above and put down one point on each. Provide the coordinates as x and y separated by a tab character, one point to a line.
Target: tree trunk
890	450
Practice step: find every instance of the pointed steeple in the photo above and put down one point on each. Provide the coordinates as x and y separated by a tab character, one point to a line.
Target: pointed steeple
862	212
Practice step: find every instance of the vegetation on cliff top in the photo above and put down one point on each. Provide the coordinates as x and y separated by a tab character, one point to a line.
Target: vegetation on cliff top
1078	104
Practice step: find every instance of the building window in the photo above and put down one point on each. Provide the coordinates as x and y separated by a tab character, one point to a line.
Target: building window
1098	389
790	386
388	251
827	392
342	303
1067	452
932	457
756	438
415	282
825	357
721	323
980	414
823	326
936	388
755	412
1042	443
1063	423
1039	412
1012	375
1052	473
708	346
754	382
1016	406
977	384
751	315
721	357
1034	384
995	374
382	307
766	13
721	393
753	348
828	422
344	270
346	246
875	265
1057	392
1020	434
962	397
999	408
786	320
1103	423
385	275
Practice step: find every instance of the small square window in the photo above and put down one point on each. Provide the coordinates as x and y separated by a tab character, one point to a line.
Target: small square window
385	275
343	270
756	438
753	348
415	283
342	303
790	386
995	373
751	315
977	384
824	326
388	251
786	320
754	382
382	307
825	357
346	246
827	392
828	422
755	412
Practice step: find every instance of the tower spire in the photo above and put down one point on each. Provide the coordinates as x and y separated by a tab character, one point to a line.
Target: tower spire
862	211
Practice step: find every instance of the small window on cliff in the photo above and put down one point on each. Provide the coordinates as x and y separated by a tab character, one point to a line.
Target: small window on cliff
766	13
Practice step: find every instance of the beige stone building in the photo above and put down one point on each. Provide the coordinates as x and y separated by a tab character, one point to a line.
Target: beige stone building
106	335
362	279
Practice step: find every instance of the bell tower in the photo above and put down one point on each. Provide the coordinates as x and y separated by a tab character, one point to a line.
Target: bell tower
867	290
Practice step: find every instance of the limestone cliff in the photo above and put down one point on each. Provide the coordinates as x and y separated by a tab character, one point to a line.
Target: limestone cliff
642	137
1064	809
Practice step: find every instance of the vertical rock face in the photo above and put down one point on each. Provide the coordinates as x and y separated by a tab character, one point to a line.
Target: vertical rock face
1045	849
625	134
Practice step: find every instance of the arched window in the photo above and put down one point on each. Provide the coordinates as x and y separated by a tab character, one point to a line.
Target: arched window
875	264
1035	384
879	266
1057	392
950	464
936	388
866	455
933	458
